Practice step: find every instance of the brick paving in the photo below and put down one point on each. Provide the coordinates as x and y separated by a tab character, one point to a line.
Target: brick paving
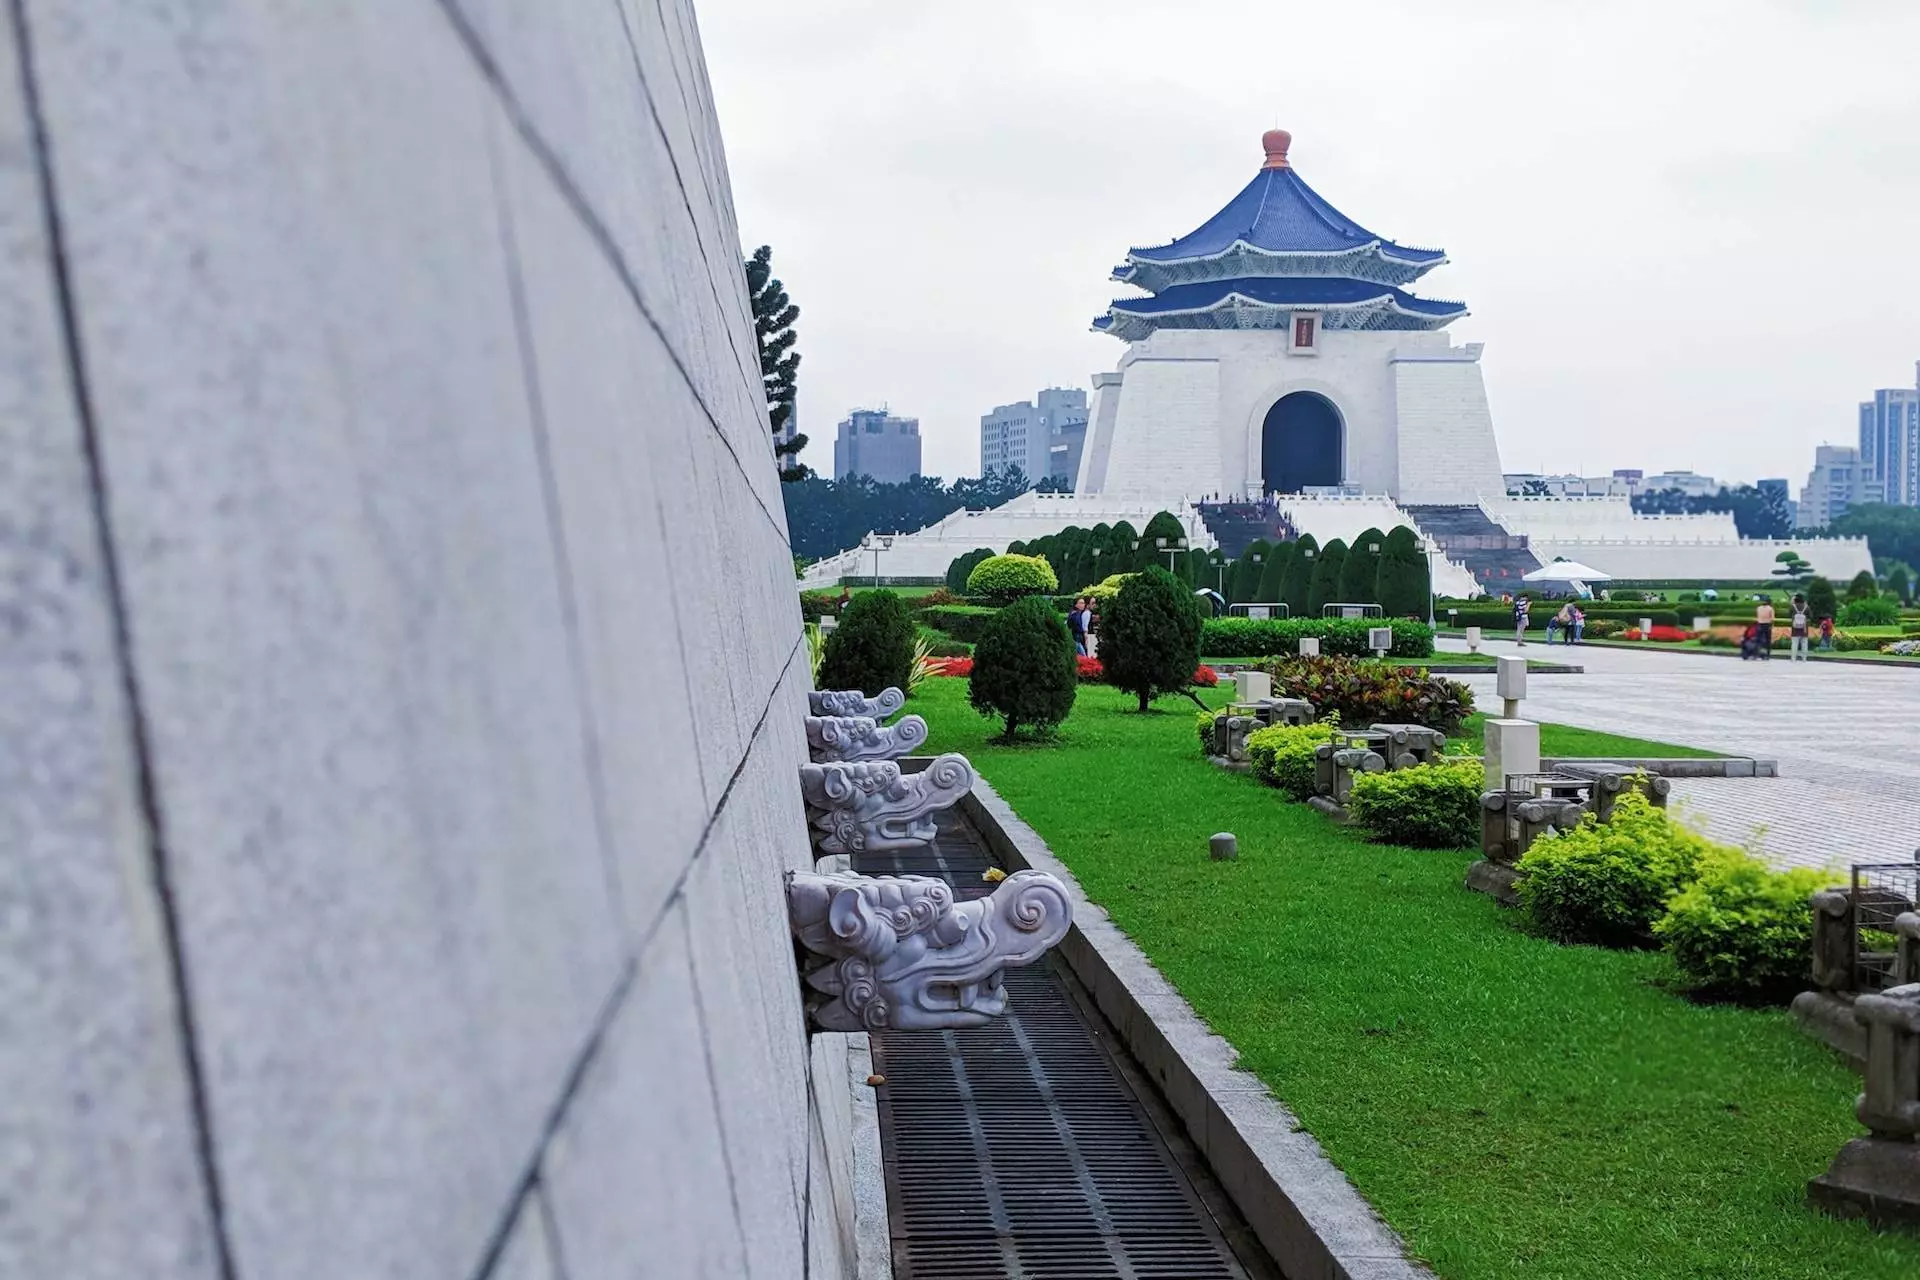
1847	739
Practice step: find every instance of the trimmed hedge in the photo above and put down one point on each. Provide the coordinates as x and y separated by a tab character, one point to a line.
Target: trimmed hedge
1280	637
1004	579
872	648
1023	668
1429	806
966	622
1282	756
1743	929
1609	882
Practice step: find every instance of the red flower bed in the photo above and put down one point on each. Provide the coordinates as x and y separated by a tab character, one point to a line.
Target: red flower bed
1205	677
1672	635
951	667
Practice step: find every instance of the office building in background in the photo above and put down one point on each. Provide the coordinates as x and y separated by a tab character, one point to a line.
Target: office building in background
1042	436
873	442
1890	441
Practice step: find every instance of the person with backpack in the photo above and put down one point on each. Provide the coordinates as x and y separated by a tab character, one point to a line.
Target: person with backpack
1799	629
1522	614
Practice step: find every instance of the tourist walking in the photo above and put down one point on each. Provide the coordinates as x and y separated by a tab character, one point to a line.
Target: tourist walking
1522	611
1763	630
1799	624
1579	624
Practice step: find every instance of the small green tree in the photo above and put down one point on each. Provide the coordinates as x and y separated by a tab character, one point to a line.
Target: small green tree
872	648
1325	586
1297	588
1863	586
1792	567
1272	584
773	317
1821	601
1401	588
1150	636
1361	573
1900	583
1024	668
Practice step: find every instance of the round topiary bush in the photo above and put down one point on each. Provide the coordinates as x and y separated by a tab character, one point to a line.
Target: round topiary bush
872	648
1282	755
1429	806
1401	589
1863	586
1002	579
1821	600
1743	929
1608	882
1107	588
1024	668
1150	636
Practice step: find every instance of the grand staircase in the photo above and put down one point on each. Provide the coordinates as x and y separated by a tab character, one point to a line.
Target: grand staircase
1496	559
1235	526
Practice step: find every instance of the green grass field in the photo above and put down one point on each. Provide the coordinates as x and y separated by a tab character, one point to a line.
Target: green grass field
1513	1108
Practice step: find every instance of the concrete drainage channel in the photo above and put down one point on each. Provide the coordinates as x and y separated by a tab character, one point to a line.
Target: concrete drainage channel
1033	1147
1100	1129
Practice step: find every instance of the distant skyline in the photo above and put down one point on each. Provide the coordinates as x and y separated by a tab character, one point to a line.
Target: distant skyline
1681	230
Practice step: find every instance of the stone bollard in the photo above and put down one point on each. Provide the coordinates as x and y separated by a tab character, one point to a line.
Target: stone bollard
1473	639
1287	711
1510	683
1238	727
1702	623
1610	784
1252	686
1878	1177
1833	918
1309	646
1646	628
1348	761
1512	748
1411	744
1222	847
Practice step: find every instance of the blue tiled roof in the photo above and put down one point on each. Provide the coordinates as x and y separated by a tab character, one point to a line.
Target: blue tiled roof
1280	213
1285	291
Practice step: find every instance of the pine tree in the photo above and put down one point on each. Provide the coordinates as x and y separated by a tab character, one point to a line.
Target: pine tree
1273	575
1323	587
1820	600
1361	573
1863	586
1297	588
1401	589
1245	576
1150	636
773	317
1024	668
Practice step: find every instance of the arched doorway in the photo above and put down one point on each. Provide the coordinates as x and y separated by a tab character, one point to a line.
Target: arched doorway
1301	443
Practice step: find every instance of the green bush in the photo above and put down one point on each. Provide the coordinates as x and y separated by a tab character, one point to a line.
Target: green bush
961	566
1429	806
1609	882
1203	725
1743	929
1296	589
1877	611
1107	588
1000	579
1023	668
1282	756
1280	637
1602	628
815	605
965	622
1150	636
1821	602
941	645
872	648
1365	693
1271	585
1863	587
1360	575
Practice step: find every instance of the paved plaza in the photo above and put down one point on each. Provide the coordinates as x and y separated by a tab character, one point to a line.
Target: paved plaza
1847	738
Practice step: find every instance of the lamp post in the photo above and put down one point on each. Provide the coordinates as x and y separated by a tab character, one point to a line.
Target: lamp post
877	543
1170	550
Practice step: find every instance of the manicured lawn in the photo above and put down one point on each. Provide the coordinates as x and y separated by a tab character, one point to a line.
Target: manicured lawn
1566	740
1512	1107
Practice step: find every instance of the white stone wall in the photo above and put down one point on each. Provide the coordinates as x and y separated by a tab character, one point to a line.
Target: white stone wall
403	681
1165	432
1749	560
1447	452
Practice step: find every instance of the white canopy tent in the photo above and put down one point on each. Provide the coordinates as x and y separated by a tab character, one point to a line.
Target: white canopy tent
1567	571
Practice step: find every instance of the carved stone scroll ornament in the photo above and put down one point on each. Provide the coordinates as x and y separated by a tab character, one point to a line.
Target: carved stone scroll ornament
852	702
869	806
898	952
863	737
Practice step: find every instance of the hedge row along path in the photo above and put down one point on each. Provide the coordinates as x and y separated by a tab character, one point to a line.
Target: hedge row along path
1845	737
1513	1108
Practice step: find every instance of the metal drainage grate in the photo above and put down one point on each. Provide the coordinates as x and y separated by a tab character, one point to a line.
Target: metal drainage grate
1026	1148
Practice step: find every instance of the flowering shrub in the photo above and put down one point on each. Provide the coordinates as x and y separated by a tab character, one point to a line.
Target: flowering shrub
1904	648
1603	628
1665	635
1363	693
1090	670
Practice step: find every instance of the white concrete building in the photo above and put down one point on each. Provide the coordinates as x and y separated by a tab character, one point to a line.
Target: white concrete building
1840	478
1275	358
875	443
1043	436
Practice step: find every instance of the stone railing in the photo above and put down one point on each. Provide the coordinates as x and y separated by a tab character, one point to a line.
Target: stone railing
870	806
863	737
852	702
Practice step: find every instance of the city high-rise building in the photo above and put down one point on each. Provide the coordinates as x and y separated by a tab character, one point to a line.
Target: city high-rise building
1042	436
1840	479
1890	441
872	442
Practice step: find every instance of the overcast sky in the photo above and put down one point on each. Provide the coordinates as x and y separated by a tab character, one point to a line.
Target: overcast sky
1689	232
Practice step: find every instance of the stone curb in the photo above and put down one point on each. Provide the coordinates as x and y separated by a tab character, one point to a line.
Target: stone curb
1677	767
1631	645
1303	1209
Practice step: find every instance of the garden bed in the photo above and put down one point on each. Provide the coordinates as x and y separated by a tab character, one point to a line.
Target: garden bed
1512	1107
